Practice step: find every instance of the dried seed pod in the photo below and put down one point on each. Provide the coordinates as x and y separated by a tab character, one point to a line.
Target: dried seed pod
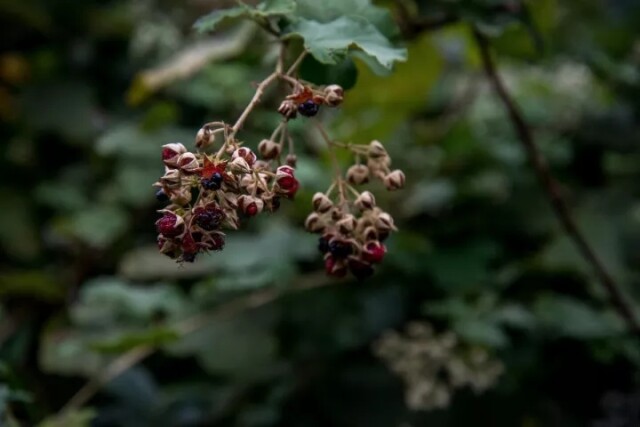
335	267
376	149
379	166
249	205
285	170
166	246
384	223
247	180
291	160
365	201
181	196
246	154
171	179
358	174
347	224
336	213
261	165
269	149
205	137
321	203
188	163
314	223
370	233
333	95
239	164
171	152
288	109
394	180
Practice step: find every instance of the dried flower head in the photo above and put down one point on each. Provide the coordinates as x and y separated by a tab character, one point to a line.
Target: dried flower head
433	366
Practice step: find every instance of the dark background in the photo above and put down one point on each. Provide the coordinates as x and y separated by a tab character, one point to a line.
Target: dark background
479	252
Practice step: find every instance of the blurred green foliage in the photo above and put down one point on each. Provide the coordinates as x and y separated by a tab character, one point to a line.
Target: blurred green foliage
256	335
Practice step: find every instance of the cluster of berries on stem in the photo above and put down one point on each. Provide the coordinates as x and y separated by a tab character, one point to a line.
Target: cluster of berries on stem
216	188
353	228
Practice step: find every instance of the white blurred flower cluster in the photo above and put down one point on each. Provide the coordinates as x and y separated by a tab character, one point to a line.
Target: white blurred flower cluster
434	366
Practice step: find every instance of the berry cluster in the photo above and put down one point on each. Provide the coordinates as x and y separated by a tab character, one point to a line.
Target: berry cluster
307	101
353	230
208	193
224	188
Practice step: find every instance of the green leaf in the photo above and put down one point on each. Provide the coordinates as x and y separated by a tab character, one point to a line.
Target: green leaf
210	22
108	301
329	10
264	10
127	341
241	347
277	7
344	74
570	317
374	114
513	315
98	226
330	42
129	140
462	268
65	352
481	332
132	183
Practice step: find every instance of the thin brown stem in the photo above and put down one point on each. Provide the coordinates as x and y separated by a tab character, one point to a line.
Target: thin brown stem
296	63
253	104
339	181
552	189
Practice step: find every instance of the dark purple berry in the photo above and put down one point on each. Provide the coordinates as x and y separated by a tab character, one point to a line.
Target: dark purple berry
308	108
217	242
340	249
275	203
161	196
209	219
361	270
323	245
212	183
189	257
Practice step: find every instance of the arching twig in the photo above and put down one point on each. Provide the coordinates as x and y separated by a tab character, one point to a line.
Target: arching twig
552	189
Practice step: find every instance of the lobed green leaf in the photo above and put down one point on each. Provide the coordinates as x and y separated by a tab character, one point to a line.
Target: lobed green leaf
330	42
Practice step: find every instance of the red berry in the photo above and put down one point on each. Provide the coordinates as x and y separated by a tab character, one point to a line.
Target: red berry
289	185
251	210
217	242
332	268
374	252
167	225
189	244
168	153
